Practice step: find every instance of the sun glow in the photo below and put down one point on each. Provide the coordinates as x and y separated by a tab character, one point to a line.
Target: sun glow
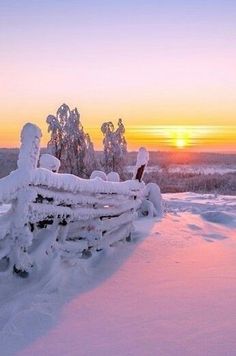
180	143
182	137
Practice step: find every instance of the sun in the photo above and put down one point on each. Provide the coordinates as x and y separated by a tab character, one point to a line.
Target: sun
180	143
176	137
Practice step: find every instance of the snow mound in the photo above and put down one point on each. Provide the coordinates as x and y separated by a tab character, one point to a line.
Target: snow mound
98	174
152	202
113	177
154	195
49	162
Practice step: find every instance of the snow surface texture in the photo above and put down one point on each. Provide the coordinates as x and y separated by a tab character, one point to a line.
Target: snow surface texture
80	216
171	291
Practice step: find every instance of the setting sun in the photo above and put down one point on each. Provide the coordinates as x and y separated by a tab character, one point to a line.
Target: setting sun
180	143
176	137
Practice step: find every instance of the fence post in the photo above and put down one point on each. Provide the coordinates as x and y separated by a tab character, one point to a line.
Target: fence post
30	147
141	163
22	236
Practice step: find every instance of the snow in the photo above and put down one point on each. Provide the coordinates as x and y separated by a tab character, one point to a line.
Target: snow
170	291
142	157
187	168
210	169
75	184
30	145
22	178
153	194
49	162
113	177
99	174
141	163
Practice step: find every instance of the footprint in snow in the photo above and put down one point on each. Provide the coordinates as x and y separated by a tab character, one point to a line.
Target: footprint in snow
194	227
219	217
214	236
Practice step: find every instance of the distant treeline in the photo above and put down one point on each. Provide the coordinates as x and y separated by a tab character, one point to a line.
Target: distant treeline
177	182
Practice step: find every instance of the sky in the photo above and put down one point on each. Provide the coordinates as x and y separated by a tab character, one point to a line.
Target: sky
163	66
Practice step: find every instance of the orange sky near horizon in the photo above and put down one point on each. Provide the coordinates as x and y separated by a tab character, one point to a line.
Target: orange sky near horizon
217	138
173	137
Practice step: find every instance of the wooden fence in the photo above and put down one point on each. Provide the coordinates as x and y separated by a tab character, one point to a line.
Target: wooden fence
52	212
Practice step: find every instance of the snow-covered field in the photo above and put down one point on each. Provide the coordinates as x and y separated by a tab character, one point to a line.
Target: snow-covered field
191	168
172	291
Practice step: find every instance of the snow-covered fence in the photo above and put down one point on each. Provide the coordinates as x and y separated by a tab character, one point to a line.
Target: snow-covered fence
61	214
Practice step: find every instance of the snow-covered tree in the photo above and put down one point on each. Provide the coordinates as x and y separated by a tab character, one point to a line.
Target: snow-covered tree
54	127
115	147
69	143
90	161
